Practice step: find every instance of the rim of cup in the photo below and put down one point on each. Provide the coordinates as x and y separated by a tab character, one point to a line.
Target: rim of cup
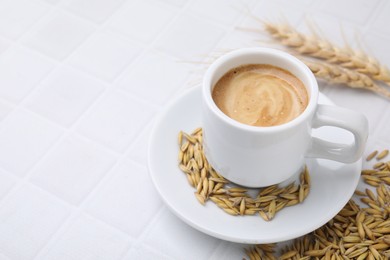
288	61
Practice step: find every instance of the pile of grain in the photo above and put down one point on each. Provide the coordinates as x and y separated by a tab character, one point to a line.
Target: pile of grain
234	200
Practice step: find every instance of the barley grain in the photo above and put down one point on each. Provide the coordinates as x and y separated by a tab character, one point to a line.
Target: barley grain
242	207
371	155
230	211
272	209
180	138
382	155
378	165
288	255
263	215
200	198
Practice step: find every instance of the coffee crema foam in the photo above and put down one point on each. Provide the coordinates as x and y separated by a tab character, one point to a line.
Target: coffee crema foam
260	95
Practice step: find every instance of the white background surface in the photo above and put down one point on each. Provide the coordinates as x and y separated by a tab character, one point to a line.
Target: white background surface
80	84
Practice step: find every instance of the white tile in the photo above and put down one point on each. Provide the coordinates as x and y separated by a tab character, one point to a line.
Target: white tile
24	138
17	16
383	127
20	72
236	39
176	2
5	109
270	11
64	95
52	1
72	169
3	45
138	151
155	77
174	238
87	238
95	10
226	12
381	21
104	55
340	32
250	33
145	253
229	251
58	35
296	2
28	218
357	11
7	181
143	20
190	38
116	120
117	201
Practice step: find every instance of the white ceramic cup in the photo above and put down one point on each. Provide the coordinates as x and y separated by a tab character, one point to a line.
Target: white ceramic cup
256	156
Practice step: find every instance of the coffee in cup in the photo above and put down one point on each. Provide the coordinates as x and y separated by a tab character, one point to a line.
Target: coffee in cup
260	95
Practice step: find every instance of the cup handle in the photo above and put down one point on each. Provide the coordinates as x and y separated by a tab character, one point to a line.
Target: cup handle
347	119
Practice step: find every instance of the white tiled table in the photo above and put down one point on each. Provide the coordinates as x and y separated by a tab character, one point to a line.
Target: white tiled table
80	84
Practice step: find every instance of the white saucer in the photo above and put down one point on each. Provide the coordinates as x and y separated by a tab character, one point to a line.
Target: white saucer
332	186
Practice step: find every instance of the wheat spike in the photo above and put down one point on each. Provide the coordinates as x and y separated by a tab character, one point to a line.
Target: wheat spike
322	49
337	74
